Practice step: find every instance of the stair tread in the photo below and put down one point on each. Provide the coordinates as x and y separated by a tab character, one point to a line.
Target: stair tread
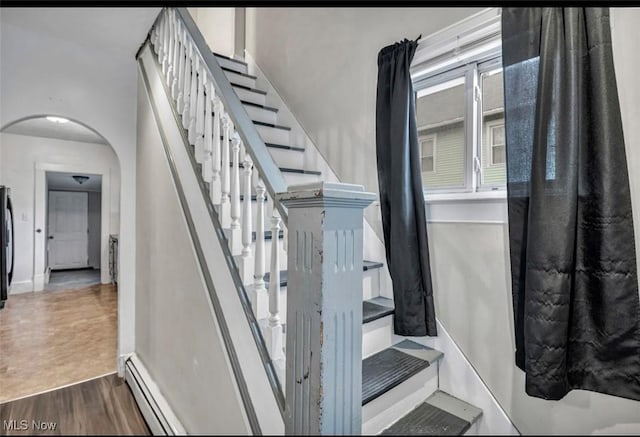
273	125
389	368
267	235
300	170
254	90
237	72
440	414
258	105
370	265
283	146
254	198
287	170
228	58
376	308
284	275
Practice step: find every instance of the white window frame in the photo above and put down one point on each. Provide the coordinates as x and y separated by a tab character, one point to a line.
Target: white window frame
434	138
470	47
491	125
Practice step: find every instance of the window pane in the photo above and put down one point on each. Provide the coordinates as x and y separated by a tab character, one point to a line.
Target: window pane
498	156
427	164
492	156
440	111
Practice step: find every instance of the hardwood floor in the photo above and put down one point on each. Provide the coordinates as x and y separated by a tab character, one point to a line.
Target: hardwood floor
54	338
100	406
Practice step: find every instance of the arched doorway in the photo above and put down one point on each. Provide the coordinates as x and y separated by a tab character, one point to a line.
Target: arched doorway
57	336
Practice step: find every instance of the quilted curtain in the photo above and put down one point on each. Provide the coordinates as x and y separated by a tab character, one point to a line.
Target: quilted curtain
573	257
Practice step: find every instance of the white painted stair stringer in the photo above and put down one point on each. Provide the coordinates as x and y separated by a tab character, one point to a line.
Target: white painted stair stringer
373	246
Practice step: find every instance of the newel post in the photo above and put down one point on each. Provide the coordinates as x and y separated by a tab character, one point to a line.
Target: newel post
324	308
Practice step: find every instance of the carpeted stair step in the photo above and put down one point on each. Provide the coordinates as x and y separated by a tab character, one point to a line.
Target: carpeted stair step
390	367
440	414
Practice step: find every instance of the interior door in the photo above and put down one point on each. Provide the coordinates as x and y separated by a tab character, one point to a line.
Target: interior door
68	229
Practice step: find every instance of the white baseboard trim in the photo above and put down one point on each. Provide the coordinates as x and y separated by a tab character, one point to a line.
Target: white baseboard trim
154	407
21	287
459	378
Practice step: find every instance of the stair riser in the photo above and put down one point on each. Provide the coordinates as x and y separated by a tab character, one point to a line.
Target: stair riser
260	114
287	158
377	335
371	284
300	178
273	135
394	404
240	79
250	96
241	68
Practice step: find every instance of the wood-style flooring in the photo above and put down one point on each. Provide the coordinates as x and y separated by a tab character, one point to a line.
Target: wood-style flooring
54	338
100	406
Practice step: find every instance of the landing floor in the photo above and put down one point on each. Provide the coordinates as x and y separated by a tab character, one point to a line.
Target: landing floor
54	338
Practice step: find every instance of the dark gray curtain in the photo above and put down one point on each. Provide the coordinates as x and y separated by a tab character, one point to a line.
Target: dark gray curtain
401	197
573	259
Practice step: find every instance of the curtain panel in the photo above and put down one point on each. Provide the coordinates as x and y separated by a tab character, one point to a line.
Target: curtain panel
401	197
572	245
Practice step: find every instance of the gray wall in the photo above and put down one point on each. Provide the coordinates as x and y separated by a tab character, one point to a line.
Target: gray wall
328	80
323	63
95	210
177	336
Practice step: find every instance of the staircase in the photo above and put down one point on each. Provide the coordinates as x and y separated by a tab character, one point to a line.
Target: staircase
400	378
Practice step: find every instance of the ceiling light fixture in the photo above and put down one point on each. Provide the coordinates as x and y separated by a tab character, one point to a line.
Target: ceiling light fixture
57	119
80	179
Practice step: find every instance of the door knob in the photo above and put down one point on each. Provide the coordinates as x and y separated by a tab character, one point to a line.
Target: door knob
50	237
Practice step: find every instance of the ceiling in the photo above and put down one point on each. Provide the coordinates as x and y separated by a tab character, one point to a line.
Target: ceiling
108	29
41	127
65	181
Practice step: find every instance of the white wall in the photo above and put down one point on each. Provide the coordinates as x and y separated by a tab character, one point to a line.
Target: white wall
20	153
218	28
471	274
323	63
177	337
94	229
79	63
328	80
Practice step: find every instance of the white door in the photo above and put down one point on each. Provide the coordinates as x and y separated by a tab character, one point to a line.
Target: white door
68	229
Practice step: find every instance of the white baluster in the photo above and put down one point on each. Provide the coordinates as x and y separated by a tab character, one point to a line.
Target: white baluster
273	332
155	37
165	41
199	124
216	184
259	296
176	58
187	85
207	164
246	261
170	27
225	201
193	98
181	64
235	232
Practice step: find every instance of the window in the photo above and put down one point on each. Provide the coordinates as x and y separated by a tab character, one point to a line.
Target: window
428	153
496	144
458	82
440	114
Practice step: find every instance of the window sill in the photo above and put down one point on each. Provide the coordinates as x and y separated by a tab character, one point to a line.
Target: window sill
476	196
478	207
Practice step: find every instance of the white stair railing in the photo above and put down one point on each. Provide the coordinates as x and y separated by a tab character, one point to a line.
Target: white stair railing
222	134
224	139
